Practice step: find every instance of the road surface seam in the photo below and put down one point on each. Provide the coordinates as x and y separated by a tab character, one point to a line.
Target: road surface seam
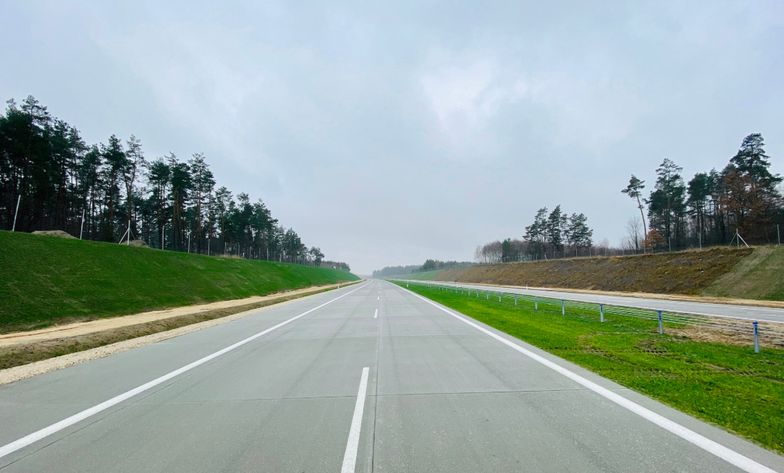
710	446
29	439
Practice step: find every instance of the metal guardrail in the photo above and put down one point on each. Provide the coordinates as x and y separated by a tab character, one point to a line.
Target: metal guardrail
715	329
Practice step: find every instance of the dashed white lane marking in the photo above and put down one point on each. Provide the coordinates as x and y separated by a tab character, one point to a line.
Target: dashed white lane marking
352	446
89	412
375	314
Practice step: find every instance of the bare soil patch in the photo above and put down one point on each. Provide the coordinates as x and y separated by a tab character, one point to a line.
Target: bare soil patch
23	355
686	272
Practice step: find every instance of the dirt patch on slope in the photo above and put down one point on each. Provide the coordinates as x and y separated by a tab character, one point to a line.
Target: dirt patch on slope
687	272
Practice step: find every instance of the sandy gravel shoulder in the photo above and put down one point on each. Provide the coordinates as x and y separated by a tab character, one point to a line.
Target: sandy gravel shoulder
100	325
108	327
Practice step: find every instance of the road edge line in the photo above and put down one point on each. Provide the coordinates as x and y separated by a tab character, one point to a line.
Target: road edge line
725	453
40	434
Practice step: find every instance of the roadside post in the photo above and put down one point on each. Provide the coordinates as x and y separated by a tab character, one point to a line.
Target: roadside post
16	212
756	337
601	312
661	322
536	303
81	227
563	308
515	300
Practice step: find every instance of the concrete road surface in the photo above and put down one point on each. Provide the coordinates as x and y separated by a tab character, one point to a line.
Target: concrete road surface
767	314
365	378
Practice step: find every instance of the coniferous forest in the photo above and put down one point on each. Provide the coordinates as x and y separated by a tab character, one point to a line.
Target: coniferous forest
103	191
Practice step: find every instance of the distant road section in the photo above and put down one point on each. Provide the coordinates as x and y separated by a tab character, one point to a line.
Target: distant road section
369	378
767	314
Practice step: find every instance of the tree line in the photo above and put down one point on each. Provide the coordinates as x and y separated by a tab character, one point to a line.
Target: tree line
553	234
428	265
740	203
112	192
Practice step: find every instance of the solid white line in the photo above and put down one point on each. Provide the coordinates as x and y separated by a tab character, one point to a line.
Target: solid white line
726	454
89	412
375	314
350	457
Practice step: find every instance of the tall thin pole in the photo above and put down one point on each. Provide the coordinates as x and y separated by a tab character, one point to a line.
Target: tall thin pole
16	212
778	234
81	227
129	231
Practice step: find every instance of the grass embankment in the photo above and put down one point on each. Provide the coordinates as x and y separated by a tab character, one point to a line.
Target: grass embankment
24	353
727	385
750	273
758	276
47	280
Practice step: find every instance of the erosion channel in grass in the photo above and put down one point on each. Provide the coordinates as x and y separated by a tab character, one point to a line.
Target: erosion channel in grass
724	383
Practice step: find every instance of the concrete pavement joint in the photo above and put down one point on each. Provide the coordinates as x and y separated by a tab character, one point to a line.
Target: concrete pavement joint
710	446
38	435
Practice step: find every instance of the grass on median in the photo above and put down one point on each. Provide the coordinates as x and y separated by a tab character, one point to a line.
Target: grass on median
47	280
728	385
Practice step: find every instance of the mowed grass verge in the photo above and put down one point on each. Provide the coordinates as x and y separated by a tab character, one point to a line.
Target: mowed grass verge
46	280
727	385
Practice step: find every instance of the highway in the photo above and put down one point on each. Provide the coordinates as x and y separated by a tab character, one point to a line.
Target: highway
736	311
367	378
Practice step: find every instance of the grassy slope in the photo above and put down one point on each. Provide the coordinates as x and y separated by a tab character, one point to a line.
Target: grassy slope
742	273
759	276
726	385
46	280
424	276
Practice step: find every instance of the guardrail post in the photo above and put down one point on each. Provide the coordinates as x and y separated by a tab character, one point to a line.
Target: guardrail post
756	337
601	312
499	297
661	322
515	300
563	308
487	296
536	303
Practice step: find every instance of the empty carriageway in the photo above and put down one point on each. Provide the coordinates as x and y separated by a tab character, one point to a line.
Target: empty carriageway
366	378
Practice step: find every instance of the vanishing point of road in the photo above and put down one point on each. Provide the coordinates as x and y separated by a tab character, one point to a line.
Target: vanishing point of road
365	378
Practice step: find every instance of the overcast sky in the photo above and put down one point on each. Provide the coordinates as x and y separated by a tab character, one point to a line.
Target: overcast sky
390	133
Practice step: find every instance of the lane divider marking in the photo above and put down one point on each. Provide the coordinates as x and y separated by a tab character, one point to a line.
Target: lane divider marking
375	314
352	445
710	446
12	447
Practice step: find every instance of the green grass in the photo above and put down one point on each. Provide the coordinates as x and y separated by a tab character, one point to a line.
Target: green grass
424	275
727	385
46	280
688	272
758	276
